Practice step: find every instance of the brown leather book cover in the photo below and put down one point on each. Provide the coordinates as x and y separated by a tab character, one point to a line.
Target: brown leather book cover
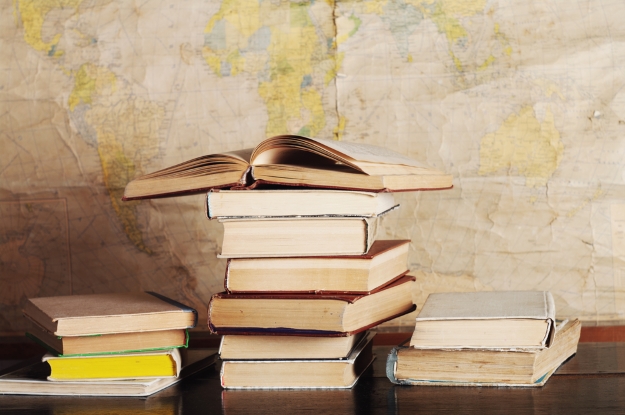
338	294
344	297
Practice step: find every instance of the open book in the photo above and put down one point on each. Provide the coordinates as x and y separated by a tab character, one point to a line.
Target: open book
295	161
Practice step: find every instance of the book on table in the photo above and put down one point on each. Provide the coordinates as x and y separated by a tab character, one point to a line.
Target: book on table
241	347
296	202
155	364
283	237
296	374
491	319
483	367
385	260
110	343
79	315
309	314
295	161
31	378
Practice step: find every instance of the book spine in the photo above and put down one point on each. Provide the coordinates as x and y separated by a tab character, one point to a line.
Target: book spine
226	279
371	229
207	207
181	306
211	327
391	365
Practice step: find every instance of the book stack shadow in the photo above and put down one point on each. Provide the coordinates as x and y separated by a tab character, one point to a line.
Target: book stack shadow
499	338
306	280
125	344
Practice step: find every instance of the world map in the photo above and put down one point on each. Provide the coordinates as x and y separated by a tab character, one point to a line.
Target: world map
522	103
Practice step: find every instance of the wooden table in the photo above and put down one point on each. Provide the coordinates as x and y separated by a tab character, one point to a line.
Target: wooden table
592	382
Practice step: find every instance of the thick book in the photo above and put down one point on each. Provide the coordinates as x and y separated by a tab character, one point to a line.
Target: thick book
241	347
283	237
31	378
298	374
483	367
492	319
296	202
138	341
80	315
294	161
385	260
314	314
156	364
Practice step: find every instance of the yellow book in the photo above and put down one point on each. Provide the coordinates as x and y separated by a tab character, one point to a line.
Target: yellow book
160	364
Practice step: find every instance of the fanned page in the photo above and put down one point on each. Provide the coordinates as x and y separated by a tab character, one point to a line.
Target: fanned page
369	159
197	175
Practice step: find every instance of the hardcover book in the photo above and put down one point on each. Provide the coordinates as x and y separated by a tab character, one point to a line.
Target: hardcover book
30	378
385	260
283	237
110	343
240	347
157	364
296	202
295	161
492	319
80	315
314	314
298	374
483	367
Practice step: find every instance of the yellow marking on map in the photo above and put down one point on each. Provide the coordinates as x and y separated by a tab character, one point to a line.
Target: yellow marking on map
549	87
33	13
523	144
293	52
488	62
125	128
464	8
236	61
340	128
375	7
90	80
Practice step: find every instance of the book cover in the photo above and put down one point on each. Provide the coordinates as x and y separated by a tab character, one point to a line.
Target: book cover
309	314
486	319
79	315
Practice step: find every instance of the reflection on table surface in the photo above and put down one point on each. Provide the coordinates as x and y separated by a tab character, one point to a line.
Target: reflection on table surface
592	381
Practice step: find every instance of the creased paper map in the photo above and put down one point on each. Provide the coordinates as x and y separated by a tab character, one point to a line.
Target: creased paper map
523	102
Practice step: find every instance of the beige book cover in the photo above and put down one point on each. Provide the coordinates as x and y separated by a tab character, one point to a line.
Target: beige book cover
488	305
500	318
78	315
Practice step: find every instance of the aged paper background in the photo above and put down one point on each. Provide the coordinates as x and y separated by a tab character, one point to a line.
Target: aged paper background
523	102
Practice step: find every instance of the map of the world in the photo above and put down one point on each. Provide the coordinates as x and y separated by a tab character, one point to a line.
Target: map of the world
522	102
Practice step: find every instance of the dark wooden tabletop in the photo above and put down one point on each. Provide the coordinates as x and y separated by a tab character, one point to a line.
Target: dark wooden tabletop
592	382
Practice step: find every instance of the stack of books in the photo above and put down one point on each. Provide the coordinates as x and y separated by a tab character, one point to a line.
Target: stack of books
107	344
305	280
306	277
506	338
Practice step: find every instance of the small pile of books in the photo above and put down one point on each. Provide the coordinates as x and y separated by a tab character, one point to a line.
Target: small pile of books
505	338
306	277
125	344
305	280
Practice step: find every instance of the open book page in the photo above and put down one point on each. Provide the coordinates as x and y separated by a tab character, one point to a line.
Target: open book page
321	153
368	153
243	155
214	162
